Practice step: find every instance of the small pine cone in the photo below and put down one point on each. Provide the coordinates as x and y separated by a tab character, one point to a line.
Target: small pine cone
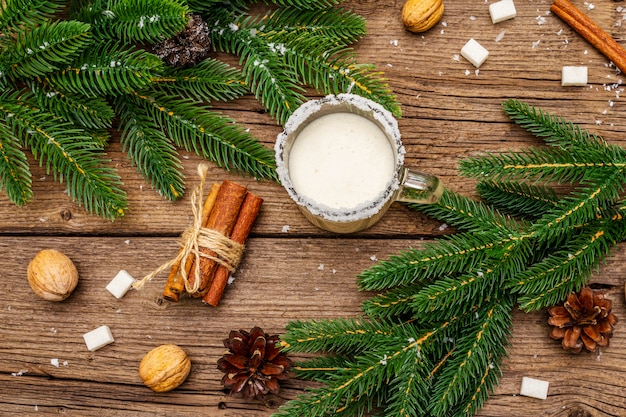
187	48
254	364
584	320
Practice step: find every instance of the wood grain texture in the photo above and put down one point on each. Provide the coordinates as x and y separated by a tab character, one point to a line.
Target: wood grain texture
291	270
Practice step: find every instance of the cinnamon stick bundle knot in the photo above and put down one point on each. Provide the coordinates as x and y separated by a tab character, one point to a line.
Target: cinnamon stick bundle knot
199	242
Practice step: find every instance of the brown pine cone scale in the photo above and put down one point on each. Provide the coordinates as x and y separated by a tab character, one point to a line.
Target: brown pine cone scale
584	321
254	364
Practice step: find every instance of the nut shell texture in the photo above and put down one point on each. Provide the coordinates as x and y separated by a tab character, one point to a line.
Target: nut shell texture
421	15
164	368
52	275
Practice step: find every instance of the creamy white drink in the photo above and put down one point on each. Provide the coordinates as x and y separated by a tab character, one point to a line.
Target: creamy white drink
341	160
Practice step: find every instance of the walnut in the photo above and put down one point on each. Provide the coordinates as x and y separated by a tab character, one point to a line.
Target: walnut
164	368
421	15
52	275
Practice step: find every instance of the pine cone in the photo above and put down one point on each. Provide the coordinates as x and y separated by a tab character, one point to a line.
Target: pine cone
187	48
254	364
584	320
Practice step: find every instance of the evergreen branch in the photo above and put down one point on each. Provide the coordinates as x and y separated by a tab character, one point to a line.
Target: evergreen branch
332	26
209	80
107	69
307	4
209	6
274	84
332	69
483	343
396	302
15	176
150	150
461	251
88	112
556	131
519	199
534	164
25	13
469	215
210	135
136	21
72	156
581	207
38	50
354	335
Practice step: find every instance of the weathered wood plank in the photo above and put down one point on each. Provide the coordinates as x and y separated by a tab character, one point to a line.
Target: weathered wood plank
315	280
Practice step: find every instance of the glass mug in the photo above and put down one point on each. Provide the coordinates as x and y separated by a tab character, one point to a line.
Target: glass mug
341	160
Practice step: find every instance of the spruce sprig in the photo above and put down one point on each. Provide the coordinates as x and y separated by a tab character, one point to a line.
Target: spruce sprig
527	244
92	71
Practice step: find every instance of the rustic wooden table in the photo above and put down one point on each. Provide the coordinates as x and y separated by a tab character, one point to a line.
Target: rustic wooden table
292	270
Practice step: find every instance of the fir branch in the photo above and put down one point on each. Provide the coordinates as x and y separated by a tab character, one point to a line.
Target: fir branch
333	26
483	341
38	50
18	13
210	135
275	85
107	69
519	199
307	4
136	21
462	251
150	150
72	156
88	112
208	81
15	176
558	132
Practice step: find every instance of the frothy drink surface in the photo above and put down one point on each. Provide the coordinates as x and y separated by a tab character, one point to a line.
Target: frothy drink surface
341	160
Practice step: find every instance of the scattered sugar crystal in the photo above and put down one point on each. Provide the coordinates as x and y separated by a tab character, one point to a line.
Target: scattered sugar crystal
467	73
65	363
120	284
285	229
590	6
536	44
534	388
374	258
127	241
231	279
320	267
500	36
502	10
474	52
443	227
334	271
472	18
541	20
456	57
19	373
393	42
476	72
98	338
573	76
54	362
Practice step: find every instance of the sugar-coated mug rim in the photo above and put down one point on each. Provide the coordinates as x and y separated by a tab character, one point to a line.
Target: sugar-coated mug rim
352	103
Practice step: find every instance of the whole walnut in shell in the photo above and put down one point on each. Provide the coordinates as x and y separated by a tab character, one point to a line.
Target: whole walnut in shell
52	275
164	367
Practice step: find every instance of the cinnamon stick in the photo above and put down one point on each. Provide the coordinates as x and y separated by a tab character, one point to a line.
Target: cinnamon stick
249	211
221	219
175	285
589	30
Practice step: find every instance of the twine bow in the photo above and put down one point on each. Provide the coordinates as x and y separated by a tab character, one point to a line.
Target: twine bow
227	252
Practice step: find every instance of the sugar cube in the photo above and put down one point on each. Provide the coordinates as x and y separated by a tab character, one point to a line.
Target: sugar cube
120	284
574	76
502	10
535	388
474	52
98	338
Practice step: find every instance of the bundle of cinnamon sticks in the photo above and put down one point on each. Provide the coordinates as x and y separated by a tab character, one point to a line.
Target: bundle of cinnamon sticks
229	211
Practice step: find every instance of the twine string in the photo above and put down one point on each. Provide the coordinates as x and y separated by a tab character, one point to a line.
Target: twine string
197	240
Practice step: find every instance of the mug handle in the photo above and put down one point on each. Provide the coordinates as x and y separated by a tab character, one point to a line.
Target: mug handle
419	187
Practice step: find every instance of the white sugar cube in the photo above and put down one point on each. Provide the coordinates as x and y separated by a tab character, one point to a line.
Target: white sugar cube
98	338
120	284
502	10
574	76
474	52
535	388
